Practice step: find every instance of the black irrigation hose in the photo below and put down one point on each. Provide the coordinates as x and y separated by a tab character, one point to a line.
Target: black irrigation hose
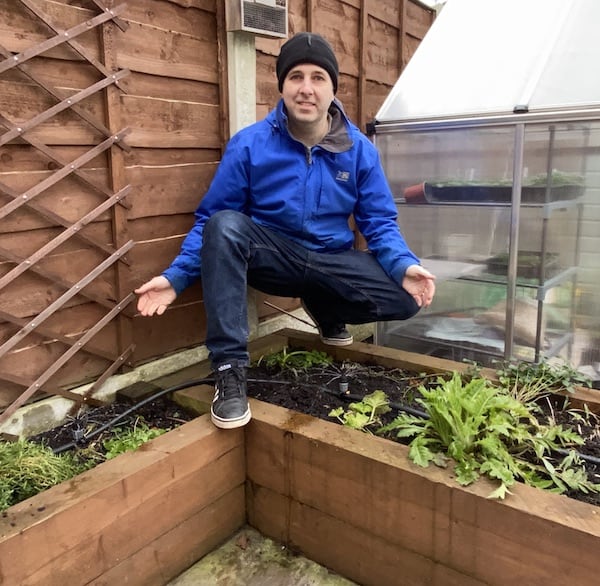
111	423
340	394
586	457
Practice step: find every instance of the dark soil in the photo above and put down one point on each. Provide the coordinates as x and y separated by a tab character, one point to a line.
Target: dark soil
92	428
315	392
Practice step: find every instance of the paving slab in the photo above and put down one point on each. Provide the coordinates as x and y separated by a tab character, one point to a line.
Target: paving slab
250	559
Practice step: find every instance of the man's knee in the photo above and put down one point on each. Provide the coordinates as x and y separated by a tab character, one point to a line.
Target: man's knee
225	223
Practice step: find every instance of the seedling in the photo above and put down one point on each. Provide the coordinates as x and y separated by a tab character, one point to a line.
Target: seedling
297	360
364	414
130	439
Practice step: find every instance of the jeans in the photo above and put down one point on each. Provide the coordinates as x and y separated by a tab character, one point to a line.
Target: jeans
344	287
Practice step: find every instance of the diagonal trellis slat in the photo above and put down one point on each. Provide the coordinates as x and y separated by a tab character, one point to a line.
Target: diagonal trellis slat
58	95
37	384
60	107
60	174
53	307
48	214
59	39
49	153
55	242
21	133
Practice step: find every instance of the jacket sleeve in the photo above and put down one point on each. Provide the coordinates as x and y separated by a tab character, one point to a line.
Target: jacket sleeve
228	190
376	215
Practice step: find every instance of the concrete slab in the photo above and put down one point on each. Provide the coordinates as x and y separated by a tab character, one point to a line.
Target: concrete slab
250	559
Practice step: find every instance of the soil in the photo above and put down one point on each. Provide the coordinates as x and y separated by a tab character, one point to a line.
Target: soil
92	428
315	391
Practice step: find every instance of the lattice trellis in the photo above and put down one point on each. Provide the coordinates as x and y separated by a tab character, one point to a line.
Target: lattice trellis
110	194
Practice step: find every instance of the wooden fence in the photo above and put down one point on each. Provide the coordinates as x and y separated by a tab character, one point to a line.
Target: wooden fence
113	116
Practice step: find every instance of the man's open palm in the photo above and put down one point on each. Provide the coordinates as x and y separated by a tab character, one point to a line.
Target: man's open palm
155	296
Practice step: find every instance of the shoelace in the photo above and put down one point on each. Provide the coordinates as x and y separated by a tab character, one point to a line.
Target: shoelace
230	383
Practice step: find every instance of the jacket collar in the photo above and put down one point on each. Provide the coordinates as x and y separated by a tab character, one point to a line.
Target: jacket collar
337	140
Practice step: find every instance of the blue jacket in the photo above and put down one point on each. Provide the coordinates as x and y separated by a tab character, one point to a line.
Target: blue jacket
306	195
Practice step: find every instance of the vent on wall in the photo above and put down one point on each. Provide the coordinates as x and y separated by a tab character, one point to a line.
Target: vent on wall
268	18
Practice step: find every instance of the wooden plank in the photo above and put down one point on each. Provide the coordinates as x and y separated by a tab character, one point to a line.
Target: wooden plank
175	551
343	547
164	190
170	88
117	181
363	352
418	19
361	119
333	480
165	53
387	11
383	59
369	484
170	124
110	491
103	551
157	255
155	229
183	326
22	159
169	16
178	124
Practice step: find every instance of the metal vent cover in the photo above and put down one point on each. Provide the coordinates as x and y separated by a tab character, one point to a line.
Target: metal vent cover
268	18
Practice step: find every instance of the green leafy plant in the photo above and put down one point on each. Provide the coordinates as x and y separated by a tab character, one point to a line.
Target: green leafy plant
529	382
130	439
296	360
485	431
363	414
27	468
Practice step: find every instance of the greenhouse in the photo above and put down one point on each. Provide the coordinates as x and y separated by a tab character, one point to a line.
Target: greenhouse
490	139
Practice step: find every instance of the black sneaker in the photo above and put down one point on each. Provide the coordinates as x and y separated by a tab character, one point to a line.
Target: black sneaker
230	407
336	335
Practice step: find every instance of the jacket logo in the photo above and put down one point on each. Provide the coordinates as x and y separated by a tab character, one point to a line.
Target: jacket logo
342	176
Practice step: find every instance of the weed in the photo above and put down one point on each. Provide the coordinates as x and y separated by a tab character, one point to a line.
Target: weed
130	439
529	382
27	468
295	361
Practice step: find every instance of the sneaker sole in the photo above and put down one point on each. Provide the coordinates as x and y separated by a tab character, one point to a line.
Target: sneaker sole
230	423
337	341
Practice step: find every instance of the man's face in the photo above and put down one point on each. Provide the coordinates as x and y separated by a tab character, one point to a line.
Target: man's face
307	93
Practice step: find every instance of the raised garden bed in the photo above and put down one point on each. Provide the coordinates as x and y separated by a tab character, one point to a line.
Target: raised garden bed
350	501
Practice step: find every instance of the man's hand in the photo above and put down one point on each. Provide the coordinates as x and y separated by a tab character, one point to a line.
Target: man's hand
420	283
155	296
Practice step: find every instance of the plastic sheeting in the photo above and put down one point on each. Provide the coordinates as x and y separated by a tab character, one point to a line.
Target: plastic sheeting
490	57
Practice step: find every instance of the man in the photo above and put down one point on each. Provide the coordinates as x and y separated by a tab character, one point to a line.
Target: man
275	217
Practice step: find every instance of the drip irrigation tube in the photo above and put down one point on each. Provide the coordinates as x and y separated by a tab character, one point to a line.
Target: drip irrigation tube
132	409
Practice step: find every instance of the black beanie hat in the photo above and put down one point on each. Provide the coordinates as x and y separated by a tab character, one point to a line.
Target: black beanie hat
307	48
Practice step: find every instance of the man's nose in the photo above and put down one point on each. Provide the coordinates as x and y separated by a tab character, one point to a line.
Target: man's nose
306	86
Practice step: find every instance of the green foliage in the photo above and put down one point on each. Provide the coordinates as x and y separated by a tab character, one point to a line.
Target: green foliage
27	468
129	439
484	430
295	361
361	415
528	381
